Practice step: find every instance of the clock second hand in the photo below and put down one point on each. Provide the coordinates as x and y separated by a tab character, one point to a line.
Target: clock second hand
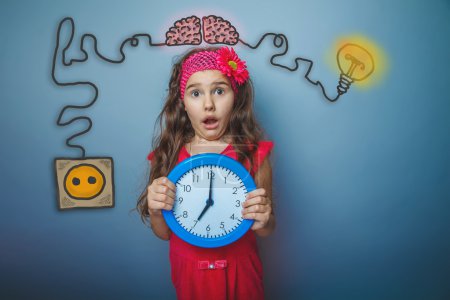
210	201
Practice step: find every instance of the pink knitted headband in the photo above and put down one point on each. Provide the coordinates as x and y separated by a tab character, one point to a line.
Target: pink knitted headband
224	59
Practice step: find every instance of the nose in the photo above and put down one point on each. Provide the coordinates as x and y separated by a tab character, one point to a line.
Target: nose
209	103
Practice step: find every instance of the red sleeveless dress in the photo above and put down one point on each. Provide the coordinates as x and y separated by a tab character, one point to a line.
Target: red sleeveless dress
233	271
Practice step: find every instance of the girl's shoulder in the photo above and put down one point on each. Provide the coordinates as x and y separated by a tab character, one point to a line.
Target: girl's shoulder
150	155
262	152
263	148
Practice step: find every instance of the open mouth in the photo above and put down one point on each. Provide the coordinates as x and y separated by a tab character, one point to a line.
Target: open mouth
210	123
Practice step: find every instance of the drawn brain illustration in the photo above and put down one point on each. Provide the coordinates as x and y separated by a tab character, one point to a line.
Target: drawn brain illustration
216	30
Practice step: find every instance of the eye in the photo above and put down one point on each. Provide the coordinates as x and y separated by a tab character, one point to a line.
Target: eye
220	91
195	93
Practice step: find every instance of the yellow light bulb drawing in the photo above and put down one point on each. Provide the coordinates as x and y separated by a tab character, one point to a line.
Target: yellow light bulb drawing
355	64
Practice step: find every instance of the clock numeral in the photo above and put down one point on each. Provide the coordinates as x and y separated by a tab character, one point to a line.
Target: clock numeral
208	228
222	225
195	177
232	217
238	203
185	214
180	200
211	174
225	180
186	188
235	190
195	223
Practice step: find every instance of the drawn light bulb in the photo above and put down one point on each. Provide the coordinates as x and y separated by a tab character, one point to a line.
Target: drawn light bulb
355	64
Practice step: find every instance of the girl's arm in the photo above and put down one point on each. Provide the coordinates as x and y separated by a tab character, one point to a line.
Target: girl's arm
159	226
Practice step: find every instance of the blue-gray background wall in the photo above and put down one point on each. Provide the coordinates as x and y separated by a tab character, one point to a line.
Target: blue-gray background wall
362	185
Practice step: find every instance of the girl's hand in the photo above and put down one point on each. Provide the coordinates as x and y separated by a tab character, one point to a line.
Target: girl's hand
258	207
160	195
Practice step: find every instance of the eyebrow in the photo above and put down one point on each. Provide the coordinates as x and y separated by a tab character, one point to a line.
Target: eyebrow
214	83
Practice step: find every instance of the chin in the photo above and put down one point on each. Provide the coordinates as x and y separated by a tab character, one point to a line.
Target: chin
213	136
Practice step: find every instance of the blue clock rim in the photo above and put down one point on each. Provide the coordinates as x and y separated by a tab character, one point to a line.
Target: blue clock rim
215	160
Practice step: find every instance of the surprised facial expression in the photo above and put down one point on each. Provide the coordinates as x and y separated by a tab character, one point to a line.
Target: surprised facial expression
208	101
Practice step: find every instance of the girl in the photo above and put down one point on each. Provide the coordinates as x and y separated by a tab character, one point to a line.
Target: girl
209	108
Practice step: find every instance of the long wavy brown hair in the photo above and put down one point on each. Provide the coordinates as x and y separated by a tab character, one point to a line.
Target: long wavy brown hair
174	129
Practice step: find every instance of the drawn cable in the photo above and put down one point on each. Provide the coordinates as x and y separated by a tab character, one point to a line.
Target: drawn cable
134	42
278	40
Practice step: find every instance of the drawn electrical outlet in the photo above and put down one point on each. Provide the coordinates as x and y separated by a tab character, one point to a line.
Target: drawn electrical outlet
84	182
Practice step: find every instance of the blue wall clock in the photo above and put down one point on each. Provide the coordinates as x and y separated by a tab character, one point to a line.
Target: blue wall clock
210	189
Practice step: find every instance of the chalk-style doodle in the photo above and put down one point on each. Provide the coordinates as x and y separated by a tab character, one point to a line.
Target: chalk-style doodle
84	182
354	61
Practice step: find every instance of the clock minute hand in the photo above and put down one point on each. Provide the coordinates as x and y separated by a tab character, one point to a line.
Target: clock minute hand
209	202
210	188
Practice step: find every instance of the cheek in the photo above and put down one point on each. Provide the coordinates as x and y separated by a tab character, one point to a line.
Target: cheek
228	108
192	114
188	110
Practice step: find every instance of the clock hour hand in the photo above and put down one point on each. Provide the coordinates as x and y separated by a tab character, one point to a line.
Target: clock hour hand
209	202
204	210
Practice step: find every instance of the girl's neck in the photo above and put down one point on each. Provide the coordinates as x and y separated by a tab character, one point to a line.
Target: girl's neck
199	145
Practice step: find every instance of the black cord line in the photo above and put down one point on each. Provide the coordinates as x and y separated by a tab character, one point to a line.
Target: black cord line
133	41
279	40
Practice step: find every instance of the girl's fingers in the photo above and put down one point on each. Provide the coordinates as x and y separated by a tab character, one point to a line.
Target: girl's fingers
162	185
160	197
166	182
255	200
165	190
157	205
163	198
257	192
257	208
250	216
258	217
161	194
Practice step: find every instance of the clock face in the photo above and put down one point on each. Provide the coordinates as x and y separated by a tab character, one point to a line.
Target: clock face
210	190
209	217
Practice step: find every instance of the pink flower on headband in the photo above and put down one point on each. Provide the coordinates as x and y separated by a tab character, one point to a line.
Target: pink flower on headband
230	65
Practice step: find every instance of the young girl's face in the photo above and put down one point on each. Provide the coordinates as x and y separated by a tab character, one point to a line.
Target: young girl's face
208	101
